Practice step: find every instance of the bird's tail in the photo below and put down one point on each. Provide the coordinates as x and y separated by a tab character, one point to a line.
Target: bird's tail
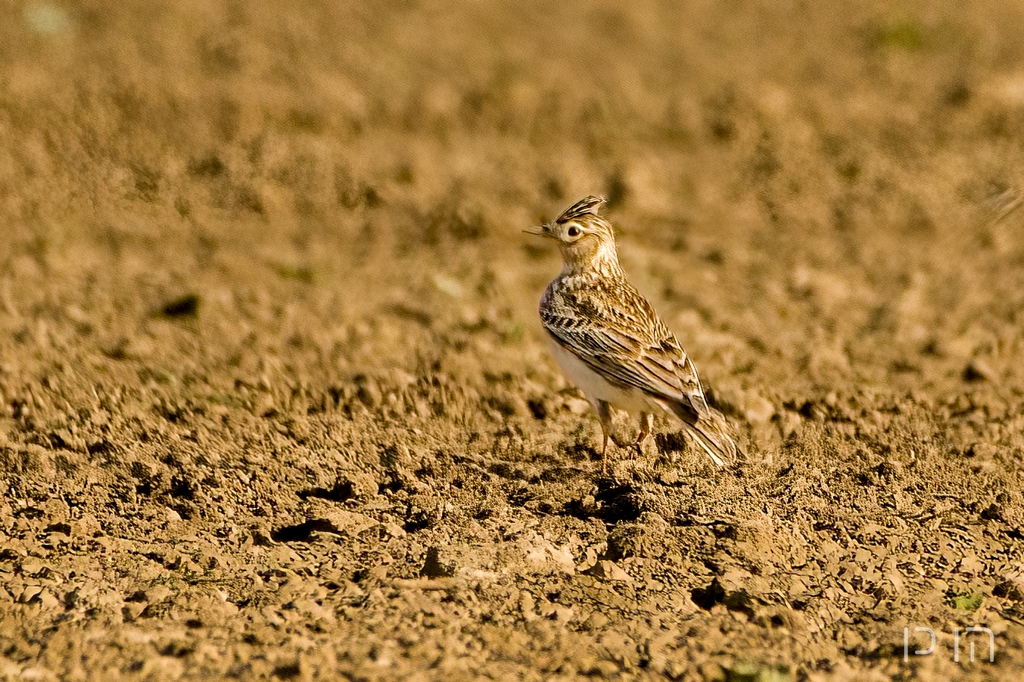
711	432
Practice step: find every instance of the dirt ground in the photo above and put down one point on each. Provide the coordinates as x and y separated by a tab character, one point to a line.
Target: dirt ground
274	396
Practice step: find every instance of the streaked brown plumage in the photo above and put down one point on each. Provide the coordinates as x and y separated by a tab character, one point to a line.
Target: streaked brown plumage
611	342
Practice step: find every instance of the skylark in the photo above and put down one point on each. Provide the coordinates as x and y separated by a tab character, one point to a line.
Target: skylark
610	341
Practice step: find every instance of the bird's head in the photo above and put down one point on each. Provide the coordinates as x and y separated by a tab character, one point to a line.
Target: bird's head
584	237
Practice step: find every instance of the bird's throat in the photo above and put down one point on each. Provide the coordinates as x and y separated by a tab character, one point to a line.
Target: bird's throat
591	256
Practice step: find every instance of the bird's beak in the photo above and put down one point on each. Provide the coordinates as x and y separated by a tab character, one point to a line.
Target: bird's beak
539	230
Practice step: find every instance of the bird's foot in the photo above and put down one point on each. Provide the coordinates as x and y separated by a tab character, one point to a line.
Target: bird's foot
646	427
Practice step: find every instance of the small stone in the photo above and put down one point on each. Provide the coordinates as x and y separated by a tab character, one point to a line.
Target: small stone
1012	589
596	622
328	518
32	566
562	614
394	530
29	593
526	605
181	307
434	568
56	510
48	600
133	610
609	570
979	370
425	511
356	485
157	594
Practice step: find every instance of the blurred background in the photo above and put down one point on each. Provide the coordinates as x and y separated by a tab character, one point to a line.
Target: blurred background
835	187
251	242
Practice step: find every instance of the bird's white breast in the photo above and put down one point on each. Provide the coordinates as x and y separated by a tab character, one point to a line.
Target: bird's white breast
596	387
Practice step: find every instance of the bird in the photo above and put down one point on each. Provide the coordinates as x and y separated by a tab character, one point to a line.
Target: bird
608	339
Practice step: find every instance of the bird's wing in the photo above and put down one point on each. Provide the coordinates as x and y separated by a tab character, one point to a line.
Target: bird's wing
617	333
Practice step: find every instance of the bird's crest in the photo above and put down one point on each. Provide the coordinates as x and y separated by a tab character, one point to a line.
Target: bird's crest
588	206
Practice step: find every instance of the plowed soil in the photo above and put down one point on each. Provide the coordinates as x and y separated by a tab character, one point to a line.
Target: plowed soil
275	400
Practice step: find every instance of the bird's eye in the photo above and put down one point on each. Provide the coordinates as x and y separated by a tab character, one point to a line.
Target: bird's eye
573	231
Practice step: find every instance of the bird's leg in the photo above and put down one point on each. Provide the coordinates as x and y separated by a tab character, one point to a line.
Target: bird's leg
646	426
605	413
